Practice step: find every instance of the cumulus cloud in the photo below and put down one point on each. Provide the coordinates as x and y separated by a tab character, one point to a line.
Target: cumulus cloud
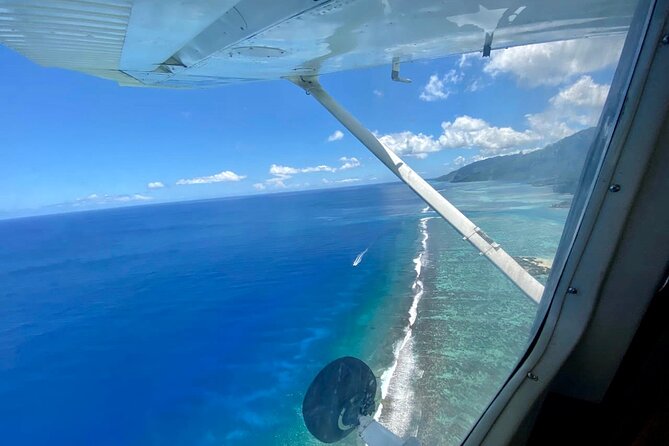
155	185
282	173
224	176
275	169
463	132
336	136
259	186
583	93
459	161
409	143
554	63
574	107
437	89
434	90
349	163
467	132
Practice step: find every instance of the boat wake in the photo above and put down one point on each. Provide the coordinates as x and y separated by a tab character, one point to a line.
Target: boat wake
358	259
399	375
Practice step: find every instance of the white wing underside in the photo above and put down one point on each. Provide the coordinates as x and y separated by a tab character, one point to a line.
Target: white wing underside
203	43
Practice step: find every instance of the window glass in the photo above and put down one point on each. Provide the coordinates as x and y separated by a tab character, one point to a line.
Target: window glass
177	265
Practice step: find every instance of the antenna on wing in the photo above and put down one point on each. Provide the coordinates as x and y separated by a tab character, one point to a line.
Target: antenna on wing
395	72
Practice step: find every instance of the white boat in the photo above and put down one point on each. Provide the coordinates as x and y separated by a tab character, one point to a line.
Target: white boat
359	257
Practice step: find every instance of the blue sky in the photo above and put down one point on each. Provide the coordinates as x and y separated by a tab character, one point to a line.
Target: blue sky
69	141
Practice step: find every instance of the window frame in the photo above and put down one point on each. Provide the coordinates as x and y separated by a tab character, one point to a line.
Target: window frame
592	231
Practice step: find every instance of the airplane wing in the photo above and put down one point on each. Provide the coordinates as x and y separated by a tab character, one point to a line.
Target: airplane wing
202	43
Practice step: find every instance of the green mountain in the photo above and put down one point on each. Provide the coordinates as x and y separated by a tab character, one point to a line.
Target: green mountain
558	165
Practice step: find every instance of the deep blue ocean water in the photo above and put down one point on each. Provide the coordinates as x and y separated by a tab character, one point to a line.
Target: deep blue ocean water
202	323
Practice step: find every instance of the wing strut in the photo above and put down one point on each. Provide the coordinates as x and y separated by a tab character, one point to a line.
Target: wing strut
470	232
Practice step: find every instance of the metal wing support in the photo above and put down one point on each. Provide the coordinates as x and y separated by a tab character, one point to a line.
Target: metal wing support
469	231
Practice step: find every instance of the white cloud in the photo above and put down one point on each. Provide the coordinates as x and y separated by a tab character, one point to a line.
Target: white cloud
279	170
282	170
583	93
277	181
336	136
553	63
282	173
466	59
409	143
466	132
436	88
459	161
476	85
259	186
224	176
574	107
463	132
378	93
155	185
342	181
453	77
320	168
128	198
349	163
96	199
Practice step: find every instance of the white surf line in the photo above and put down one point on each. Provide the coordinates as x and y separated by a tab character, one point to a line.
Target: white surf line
387	375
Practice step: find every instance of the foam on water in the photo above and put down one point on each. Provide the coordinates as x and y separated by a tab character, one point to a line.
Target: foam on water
403	369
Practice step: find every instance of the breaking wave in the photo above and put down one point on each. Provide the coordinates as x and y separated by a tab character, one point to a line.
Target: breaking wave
402	371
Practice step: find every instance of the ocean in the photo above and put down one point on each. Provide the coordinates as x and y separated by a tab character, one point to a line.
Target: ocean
203	323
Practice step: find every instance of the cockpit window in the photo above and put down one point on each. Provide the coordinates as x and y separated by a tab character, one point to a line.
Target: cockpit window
178	265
